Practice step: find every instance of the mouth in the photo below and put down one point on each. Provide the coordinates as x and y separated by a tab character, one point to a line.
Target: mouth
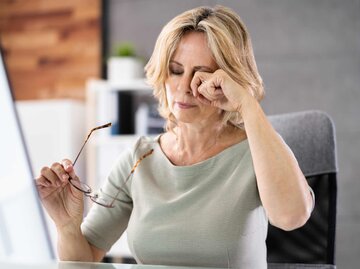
184	105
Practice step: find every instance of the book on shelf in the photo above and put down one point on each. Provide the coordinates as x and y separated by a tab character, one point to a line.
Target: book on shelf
125	113
148	120
131	114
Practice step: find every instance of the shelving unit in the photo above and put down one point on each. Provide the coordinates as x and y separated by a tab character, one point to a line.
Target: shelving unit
102	107
104	147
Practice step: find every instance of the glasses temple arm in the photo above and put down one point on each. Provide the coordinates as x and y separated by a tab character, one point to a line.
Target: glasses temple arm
87	138
129	175
77	156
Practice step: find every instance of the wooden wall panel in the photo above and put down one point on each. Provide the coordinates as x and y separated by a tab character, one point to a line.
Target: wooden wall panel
51	47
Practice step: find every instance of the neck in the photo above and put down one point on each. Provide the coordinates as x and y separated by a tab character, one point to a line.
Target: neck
196	144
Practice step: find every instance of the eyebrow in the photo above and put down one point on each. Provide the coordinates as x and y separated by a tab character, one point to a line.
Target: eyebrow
196	68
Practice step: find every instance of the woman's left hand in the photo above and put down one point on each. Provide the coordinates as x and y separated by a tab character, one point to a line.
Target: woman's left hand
219	89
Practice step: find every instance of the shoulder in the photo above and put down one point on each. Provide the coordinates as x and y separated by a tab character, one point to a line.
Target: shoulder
236	149
144	144
133	150
132	153
234	137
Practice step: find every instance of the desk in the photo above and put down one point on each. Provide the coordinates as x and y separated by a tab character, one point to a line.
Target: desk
81	265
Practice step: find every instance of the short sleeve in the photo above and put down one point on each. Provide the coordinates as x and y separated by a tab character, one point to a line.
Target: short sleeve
102	227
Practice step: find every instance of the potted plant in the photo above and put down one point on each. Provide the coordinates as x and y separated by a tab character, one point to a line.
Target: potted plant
124	65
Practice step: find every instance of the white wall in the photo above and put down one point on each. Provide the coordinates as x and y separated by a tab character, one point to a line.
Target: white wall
53	130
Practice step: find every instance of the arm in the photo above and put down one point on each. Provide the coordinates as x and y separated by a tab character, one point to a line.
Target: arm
70	241
283	189
64	204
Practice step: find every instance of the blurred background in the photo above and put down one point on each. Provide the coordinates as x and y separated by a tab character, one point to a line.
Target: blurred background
308	53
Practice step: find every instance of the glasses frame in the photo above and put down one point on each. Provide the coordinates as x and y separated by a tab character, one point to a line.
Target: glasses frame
86	189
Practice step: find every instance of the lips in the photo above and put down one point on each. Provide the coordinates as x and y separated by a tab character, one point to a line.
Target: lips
184	105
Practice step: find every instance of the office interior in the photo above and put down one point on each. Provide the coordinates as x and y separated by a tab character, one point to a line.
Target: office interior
308	53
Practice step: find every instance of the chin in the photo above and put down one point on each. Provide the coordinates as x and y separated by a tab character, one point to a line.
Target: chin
185	119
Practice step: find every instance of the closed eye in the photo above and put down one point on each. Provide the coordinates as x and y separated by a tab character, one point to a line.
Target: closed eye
174	71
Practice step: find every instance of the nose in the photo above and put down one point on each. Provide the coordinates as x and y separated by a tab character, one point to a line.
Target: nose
184	84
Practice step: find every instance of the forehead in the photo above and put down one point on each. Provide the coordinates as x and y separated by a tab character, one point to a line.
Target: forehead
194	46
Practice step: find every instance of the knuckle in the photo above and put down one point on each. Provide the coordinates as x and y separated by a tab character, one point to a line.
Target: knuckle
55	166
66	162
219	71
44	170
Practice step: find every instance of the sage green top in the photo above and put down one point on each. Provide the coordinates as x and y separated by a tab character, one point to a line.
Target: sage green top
207	214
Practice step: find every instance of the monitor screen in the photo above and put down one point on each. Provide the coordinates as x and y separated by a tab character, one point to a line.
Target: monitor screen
23	230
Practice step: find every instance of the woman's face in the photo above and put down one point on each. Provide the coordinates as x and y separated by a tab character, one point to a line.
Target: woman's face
191	55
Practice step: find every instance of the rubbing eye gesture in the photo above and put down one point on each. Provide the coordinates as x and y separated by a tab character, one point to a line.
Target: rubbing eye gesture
282	187
219	89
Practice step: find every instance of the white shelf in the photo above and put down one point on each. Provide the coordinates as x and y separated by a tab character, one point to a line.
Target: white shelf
137	85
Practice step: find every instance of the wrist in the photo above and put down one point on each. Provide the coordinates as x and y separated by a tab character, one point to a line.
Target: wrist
247	106
69	230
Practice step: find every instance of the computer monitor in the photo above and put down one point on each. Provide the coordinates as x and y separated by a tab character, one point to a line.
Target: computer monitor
24	235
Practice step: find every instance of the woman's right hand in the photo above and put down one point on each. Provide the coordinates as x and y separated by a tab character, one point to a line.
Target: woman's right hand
63	202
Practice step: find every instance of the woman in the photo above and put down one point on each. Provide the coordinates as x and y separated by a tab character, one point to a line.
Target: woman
212	181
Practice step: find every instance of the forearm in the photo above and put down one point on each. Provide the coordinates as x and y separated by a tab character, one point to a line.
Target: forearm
283	189
73	246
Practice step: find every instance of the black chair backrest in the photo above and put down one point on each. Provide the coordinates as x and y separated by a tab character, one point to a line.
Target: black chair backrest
311	136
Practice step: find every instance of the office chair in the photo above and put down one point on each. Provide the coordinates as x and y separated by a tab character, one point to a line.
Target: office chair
311	136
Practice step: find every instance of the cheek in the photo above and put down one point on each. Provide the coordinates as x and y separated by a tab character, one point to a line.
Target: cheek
169	95
170	85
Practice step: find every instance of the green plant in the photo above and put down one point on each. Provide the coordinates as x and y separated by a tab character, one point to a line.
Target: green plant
125	49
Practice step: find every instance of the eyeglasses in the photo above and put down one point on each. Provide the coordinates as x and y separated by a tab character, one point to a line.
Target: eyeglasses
86	189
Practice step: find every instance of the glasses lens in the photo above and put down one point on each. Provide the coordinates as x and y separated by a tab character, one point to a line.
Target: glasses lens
81	186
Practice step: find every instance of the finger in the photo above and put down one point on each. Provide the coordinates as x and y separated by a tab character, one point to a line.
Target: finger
69	168
60	172
50	176
67	164
45	188
198	79
203	90
210	91
203	100
42	181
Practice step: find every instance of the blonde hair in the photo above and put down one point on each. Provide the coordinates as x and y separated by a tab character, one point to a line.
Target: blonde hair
229	42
